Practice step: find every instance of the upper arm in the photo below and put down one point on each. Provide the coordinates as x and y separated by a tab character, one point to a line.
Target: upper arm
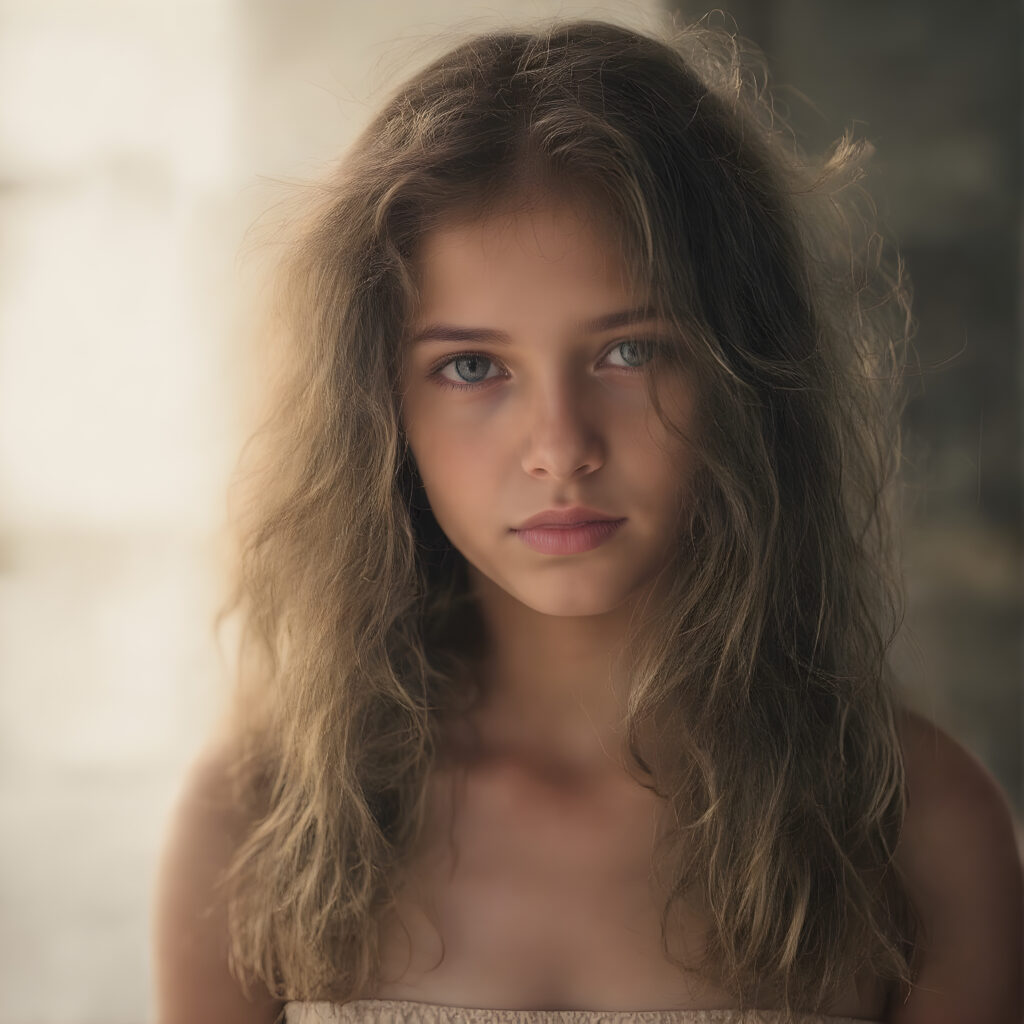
193	983
959	855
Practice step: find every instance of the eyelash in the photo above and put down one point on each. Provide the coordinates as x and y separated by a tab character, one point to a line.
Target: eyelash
651	344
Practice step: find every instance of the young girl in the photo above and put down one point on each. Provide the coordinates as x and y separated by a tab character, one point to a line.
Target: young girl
568	580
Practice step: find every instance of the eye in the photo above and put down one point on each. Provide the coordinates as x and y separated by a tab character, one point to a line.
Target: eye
464	362
469	363
639	348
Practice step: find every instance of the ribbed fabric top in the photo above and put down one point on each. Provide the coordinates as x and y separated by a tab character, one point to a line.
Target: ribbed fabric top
404	1011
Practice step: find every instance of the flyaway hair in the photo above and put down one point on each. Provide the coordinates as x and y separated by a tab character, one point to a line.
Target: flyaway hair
764	674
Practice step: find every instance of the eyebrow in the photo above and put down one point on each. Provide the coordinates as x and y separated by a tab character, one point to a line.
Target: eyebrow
608	322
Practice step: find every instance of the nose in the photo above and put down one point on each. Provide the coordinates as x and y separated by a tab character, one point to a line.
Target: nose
562	436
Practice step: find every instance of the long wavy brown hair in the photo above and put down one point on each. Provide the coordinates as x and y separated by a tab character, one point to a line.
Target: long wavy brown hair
765	670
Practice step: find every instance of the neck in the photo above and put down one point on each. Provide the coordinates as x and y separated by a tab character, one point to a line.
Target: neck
553	691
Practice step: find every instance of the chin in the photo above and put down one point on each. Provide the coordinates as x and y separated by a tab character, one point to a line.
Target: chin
593	601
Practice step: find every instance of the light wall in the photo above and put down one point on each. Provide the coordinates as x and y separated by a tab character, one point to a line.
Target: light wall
138	141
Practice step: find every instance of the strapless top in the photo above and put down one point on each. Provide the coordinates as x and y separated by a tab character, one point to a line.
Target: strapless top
405	1011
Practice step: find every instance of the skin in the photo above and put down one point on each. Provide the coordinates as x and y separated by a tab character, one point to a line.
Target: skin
560	419
564	423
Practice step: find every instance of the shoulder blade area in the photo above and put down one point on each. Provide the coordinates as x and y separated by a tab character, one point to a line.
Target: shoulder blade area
960	857
190	962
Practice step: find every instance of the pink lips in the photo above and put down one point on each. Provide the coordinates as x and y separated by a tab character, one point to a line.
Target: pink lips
577	515
568	540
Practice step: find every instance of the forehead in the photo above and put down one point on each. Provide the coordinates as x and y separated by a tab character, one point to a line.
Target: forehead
545	248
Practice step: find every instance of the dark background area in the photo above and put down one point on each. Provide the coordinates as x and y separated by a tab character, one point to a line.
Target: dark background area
936	87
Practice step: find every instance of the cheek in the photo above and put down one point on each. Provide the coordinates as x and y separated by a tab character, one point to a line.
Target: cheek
679	408
663	464
453	463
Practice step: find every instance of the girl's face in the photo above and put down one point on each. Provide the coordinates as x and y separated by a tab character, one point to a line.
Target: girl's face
544	408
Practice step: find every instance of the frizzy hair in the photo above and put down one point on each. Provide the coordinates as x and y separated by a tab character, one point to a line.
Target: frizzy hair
764	673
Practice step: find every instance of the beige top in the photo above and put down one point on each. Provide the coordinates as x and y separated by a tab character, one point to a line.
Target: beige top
404	1011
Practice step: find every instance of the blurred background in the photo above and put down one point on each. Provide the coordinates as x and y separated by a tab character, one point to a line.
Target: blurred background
138	142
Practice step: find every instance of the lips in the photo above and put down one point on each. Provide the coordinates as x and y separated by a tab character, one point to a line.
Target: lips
575	516
569	540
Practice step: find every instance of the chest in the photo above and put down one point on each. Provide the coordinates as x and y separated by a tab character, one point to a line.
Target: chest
532	895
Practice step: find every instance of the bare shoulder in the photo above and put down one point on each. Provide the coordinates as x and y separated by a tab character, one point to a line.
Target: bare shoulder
190	962
960	857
